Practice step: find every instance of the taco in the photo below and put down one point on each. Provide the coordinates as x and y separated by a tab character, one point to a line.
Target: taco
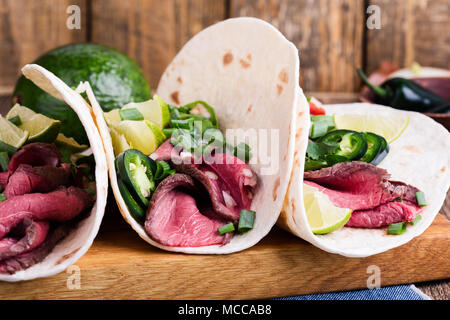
353	194
54	189
181	178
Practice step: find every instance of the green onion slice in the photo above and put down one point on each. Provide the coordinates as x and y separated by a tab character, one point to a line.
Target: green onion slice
397	228
416	220
2	197
226	228
420	196
4	160
131	114
162	170
246	220
242	151
16	120
319	129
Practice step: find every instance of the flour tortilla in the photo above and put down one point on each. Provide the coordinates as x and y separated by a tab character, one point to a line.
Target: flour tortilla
78	241
248	71
420	157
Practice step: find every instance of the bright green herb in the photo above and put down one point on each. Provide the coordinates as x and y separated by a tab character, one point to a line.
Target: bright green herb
226	228
242	151
397	228
416	220
319	129
420	196
16	120
4	160
131	114
162	170
246	220
2	197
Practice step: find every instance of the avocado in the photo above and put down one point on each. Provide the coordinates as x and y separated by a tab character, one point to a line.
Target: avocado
115	79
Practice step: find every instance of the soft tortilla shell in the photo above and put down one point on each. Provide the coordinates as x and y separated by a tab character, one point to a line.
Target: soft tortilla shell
248	72
420	157
78	241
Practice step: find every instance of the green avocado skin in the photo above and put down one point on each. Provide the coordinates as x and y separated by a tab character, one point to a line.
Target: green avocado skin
115	79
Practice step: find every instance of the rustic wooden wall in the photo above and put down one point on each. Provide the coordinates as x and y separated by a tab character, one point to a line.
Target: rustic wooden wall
330	34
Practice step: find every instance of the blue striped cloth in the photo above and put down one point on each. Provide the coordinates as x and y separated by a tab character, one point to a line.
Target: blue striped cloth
401	292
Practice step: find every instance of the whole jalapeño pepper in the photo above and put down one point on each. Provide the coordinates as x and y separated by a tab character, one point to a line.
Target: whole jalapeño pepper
405	94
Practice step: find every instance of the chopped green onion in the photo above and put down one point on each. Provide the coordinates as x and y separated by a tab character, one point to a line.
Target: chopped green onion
242	151
397	228
309	99
162	170
16	120
2	197
416	220
226	228
4	161
246	220
131	114
168	132
420	196
319	129
181	124
212	113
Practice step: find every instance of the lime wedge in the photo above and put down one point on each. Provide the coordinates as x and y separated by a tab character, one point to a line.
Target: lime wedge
143	135
112	117
11	137
119	142
69	143
323	216
388	127
155	111
40	127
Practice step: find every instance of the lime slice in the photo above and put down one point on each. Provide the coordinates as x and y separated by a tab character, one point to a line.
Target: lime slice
388	127
112	117
119	142
11	137
69	143
323	216
40	127
143	135
155	111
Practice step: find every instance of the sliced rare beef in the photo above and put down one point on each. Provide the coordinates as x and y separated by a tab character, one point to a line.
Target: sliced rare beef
28	235
228	181
164	152
367	190
36	155
384	215
27	179
3	179
29	258
178	215
60	205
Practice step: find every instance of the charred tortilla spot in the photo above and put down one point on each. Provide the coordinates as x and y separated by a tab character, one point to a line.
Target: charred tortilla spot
413	149
279	89
283	76
180	80
443	169
175	97
249	108
227	58
249	57
275	189
244	64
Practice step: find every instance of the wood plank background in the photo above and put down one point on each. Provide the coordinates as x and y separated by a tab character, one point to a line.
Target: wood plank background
330	34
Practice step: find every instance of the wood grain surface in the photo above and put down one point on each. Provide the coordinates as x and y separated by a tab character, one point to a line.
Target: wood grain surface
29	28
152	31
411	30
328	34
121	266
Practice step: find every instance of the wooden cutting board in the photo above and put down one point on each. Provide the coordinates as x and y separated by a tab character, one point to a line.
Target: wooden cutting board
120	265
